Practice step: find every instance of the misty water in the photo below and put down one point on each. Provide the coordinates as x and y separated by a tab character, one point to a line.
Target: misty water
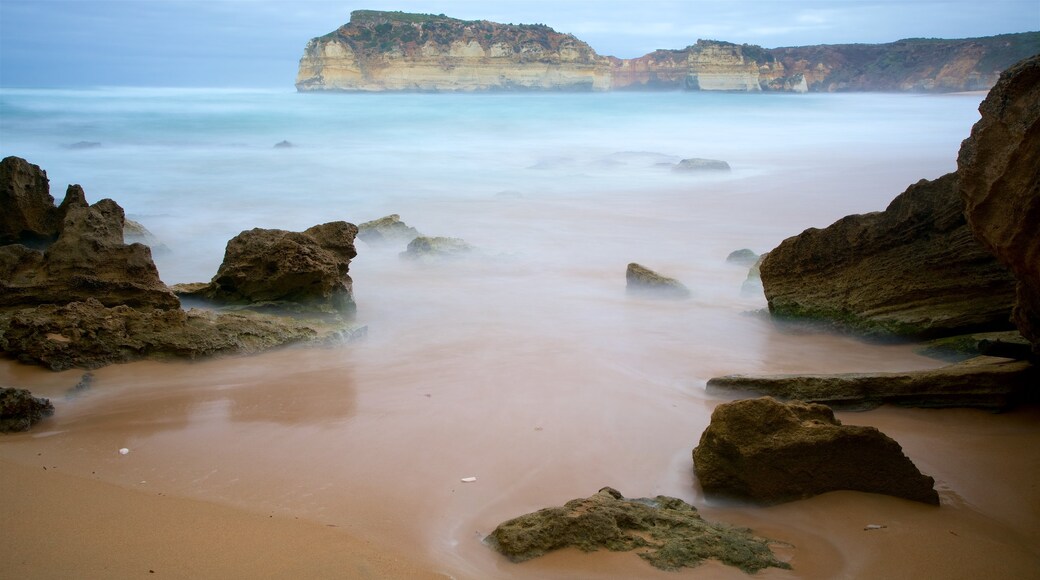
526	365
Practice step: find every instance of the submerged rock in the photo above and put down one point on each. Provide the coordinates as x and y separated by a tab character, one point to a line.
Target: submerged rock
912	270
668	532
999	165
425	247
698	164
742	257
90	335
389	229
641	280
19	410
982	382
289	271
771	452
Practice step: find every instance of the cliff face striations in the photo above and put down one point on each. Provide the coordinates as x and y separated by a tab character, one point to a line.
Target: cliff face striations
396	51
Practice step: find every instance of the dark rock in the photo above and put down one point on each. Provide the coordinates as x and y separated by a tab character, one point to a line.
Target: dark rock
966	346
292	271
19	410
84	145
912	270
697	164
999	165
433	248
743	257
769	452
283	145
90	335
643	281
669	533
387	230
88	260
982	382
29	216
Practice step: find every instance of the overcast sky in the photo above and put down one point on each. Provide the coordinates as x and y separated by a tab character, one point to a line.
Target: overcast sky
258	43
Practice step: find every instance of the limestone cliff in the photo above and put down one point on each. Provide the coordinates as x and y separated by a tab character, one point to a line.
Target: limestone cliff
396	51
393	51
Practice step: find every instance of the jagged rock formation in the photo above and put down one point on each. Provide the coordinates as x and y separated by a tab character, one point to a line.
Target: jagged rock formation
770	452
29	215
999	165
19	410
386	51
642	281
282	270
995	384
669	533
911	270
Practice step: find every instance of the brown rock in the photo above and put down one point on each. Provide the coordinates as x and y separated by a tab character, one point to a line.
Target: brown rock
29	215
999	165
19	410
386	230
641	280
912	270
770	452
298	271
431	248
982	382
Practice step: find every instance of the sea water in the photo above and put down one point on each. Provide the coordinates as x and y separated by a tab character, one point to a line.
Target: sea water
526	365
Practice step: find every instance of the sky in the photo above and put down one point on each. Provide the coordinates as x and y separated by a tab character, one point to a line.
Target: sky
258	43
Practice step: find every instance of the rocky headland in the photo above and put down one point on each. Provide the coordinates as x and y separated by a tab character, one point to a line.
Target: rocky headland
397	51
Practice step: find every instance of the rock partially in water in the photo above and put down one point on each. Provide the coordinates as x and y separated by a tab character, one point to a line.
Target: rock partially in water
134	232
698	164
770	452
667	532
436	248
752	285
386	230
999	165
742	257
90	335
286	271
19	410
967	346
911	270
643	281
991	383
283	145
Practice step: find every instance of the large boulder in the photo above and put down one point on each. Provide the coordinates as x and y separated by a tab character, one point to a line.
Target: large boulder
912	270
999	166
87	260
770	452
283	270
19	410
668	532
642	281
90	335
983	382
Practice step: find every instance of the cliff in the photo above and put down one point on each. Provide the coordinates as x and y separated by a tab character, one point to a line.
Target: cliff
396	51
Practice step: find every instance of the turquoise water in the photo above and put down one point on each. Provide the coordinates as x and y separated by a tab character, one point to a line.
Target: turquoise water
198	166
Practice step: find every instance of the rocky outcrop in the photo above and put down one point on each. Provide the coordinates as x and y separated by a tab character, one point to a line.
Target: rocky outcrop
88	258
668	532
769	452
90	335
999	165
385	230
742	257
425	248
29	215
643	281
995	384
19	410
388	51
281	270
698	164
911	270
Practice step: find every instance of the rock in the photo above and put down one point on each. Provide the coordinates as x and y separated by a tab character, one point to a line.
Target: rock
290	271
135	233
19	410
1008	344
644	281
427	248
87	260
911	270
84	145
752	285
29	216
389	229
743	257
989	383
283	145
668	532
697	164
770	452
999	166
89	335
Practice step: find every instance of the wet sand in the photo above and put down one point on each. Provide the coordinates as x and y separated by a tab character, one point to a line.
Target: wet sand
528	368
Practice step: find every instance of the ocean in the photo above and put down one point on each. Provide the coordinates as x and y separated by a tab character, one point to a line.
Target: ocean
527	365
